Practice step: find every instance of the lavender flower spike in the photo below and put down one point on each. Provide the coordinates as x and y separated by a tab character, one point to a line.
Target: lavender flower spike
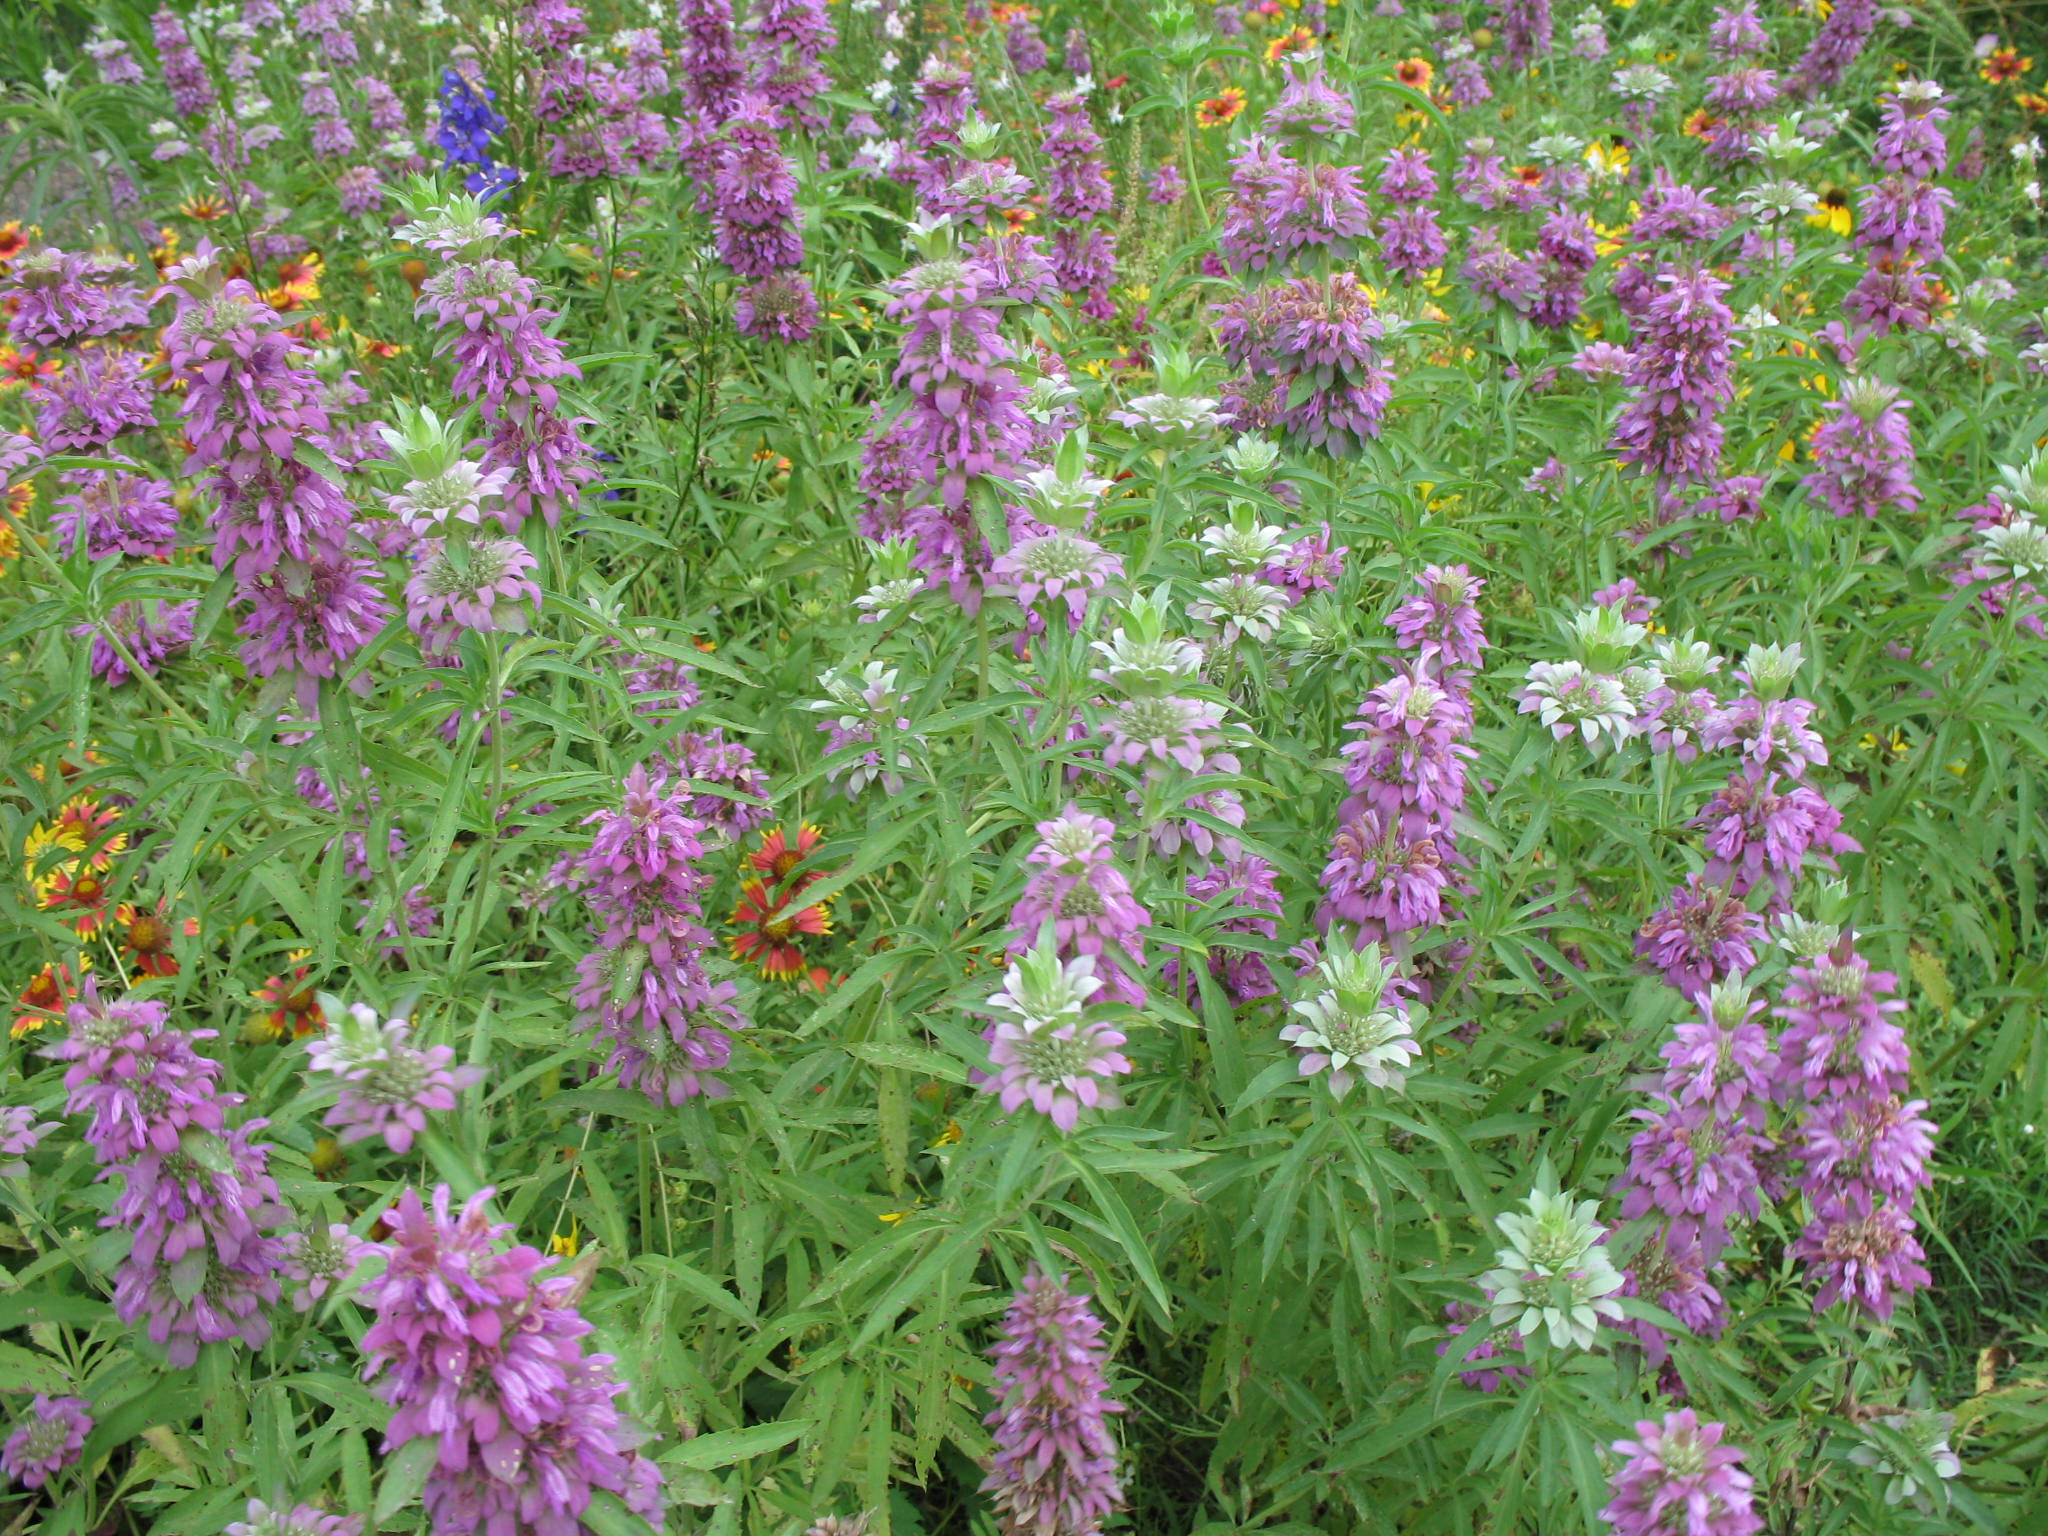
1054	1472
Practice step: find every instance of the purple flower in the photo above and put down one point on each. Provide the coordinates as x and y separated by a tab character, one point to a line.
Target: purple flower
1381	880
705	760
1769	734
1441	621
1700	936
1408	176
1054	1471
1696	1167
1412	242
99	397
753	195
1754	831
709	59
1905	220
1680	371
316	1262
1836	46
184	71
1079	890
489	590
1671	1273
1059	566
1315	332
1167	186
1046	1051
150	630
782	306
1840	1035
1863	453
387	1085
1680	1480
1525	31
1735	31
20	1134
1909	137
1165	730
49	1438
1871	1257
1076	60
1309	562
1242	897
1309	107
1024	43
310	621
197	1200
300	1520
478	1352
1409	763
56	302
645	989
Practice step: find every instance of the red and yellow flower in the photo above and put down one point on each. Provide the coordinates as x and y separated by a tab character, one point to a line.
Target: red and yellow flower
772	926
23	365
291	1008
1296	42
1416	74
2003	65
44	1000
144	936
13	241
1220	109
780	859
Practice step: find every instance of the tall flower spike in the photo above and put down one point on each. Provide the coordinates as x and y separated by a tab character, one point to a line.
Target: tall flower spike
475	1349
1054	1472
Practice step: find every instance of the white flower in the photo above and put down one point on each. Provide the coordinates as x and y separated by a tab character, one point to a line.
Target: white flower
1928	1433
1686	663
2026	152
1044	991
1554	1277
1135	664
1565	696
1771	668
1252	458
1243	548
2019	549
1171	418
885	596
1062	500
456	495
1240	604
1350	1030
889	61
1772	201
1802	937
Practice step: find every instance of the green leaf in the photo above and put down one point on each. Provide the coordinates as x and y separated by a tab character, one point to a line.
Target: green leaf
405	1476
707	1452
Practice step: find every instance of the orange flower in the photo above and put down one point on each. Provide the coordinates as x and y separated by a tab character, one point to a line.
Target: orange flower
2033	102
21	365
1218	110
1701	125
44	1000
293	1011
79	897
1529	175
82	833
1415	74
778	860
12	241
145	936
770	925
2003	65
1297	40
